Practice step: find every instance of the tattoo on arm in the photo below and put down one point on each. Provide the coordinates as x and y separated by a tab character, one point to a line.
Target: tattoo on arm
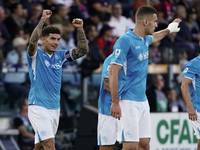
106	85
35	36
82	48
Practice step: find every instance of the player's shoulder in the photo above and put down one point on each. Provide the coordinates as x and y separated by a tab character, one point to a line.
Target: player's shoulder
124	39
194	62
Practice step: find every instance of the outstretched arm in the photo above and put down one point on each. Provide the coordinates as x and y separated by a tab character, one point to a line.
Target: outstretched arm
82	48
36	34
172	27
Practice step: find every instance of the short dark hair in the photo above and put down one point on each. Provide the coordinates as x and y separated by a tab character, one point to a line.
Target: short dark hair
50	29
145	11
13	7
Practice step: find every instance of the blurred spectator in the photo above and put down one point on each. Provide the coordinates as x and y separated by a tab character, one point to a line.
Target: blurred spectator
21	122
157	100
154	53
103	6
34	17
182	62
138	3
164	11
49	4
174	104
83	8
192	25
67	3
28	4
15	81
126	7
196	5
105	42
94	19
62	43
4	30
184	36
59	17
94	57
75	11
16	19
118	21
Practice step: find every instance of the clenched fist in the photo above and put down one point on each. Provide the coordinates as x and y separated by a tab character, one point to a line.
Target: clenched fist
46	14
78	23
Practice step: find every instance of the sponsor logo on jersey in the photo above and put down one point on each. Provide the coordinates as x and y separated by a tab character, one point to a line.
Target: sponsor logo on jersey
143	56
56	66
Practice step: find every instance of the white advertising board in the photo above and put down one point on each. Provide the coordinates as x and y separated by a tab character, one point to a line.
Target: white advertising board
172	131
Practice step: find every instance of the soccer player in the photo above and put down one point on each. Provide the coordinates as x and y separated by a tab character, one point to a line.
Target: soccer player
190	89
107	125
127	88
45	70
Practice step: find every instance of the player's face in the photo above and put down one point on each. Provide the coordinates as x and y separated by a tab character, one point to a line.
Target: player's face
152	24
51	42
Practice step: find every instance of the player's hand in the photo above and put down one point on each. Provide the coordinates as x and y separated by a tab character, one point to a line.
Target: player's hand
78	23
46	14
192	115
173	27
115	110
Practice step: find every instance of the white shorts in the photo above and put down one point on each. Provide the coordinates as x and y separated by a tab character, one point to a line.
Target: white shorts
107	130
135	122
44	122
196	126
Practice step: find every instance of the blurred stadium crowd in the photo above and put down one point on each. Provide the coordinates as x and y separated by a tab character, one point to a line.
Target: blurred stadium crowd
104	22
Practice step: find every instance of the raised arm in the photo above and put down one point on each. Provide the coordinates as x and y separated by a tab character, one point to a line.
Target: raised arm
172	27
82	48
37	32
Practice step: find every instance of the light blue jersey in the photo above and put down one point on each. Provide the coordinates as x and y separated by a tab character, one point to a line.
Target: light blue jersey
192	71
104	101
131	52
45	73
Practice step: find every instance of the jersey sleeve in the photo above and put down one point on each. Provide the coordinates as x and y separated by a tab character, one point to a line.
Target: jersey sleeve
120	51
189	70
149	39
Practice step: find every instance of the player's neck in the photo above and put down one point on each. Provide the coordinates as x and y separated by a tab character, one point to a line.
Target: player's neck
46	51
139	31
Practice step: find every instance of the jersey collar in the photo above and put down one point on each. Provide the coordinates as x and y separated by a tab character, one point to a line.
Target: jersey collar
130	31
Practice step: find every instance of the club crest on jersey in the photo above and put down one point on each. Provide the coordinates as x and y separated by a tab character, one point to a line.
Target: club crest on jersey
57	56
43	133
47	63
117	51
185	70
